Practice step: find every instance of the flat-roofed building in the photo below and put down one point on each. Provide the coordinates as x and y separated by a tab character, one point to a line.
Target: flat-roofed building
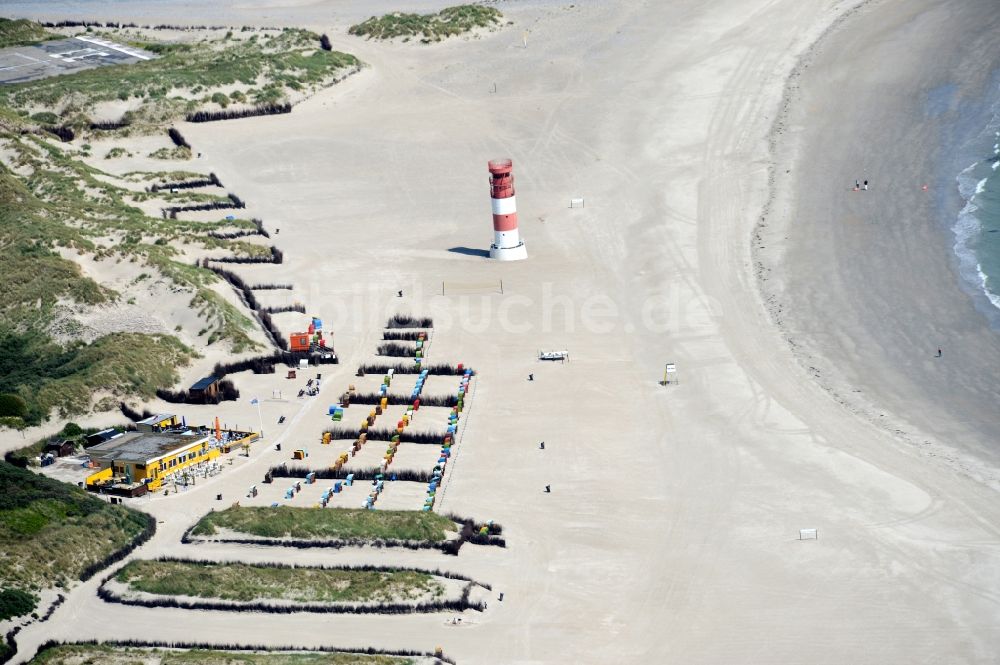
206	388
148	458
158	423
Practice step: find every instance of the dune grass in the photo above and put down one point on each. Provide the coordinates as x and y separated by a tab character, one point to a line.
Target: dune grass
52	532
241	582
77	654
328	523
22	32
49	376
448	22
269	66
50	199
63	203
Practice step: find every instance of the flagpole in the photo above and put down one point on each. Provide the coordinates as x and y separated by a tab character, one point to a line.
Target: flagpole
260	417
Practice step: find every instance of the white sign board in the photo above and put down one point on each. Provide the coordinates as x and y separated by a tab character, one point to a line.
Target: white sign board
576	203
671	368
808	534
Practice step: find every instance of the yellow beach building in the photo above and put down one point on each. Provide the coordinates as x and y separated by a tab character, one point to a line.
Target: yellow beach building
148	458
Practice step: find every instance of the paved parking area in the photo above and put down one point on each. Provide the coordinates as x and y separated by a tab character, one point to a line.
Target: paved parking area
64	56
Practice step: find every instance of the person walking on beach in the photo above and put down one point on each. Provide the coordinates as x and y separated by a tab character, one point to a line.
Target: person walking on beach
857	184
866	186
939	353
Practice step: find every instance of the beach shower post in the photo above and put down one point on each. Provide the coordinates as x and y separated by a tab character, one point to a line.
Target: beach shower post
507	244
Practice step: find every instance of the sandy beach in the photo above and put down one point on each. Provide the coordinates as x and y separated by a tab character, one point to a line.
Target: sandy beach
865	283
671	534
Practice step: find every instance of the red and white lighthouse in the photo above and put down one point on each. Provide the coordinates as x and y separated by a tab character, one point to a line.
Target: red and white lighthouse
507	244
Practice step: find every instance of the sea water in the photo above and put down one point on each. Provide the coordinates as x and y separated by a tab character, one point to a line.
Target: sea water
977	227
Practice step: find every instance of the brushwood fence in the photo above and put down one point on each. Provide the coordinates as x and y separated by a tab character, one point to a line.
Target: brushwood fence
267	364
211	181
227	392
236	649
271	287
400	400
405	475
10	639
439	369
281	309
375	434
406	321
468	533
395	350
178	138
276	256
237	114
234	203
402	335
460	604
258	230
250	300
108	125
147	532
64	134
132	414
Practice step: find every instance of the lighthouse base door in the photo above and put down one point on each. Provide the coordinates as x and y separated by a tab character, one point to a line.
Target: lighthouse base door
518	253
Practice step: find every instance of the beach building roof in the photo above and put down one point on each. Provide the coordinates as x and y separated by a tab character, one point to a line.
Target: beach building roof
204	383
103	435
156	419
144	447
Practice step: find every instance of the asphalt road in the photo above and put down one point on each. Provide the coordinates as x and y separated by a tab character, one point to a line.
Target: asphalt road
63	56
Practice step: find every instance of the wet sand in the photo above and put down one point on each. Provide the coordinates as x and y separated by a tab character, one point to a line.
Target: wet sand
865	283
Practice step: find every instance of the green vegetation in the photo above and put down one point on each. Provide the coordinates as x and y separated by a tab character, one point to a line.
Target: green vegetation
71	431
15	603
37	281
77	654
245	582
446	23
45	118
178	152
22	32
53	204
52	532
66	378
269	66
13	406
328	523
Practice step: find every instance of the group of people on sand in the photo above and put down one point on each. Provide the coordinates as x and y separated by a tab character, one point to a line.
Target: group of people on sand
858	185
